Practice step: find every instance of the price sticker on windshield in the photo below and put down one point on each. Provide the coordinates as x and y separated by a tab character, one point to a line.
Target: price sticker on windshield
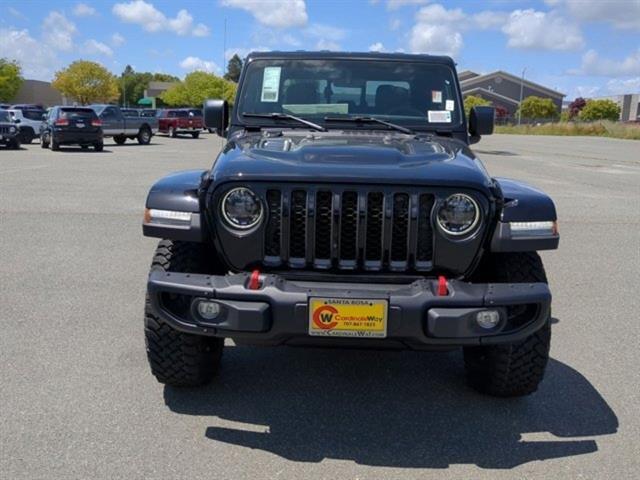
439	116
270	84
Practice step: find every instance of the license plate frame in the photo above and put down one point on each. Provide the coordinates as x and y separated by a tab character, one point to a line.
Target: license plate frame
348	317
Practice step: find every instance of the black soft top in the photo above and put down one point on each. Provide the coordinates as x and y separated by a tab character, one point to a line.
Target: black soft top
301	55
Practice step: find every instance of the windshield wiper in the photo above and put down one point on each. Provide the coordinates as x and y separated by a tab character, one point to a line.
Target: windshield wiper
286	116
369	120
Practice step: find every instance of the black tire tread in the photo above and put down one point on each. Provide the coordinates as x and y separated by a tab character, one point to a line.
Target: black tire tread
177	358
514	369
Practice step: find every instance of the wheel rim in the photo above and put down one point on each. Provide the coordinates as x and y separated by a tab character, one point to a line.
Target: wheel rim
145	136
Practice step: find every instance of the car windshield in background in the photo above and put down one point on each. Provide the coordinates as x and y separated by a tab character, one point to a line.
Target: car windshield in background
4	116
33	114
130	113
412	94
73	113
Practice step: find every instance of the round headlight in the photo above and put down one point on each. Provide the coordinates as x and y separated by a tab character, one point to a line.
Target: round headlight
241	208
458	214
12	129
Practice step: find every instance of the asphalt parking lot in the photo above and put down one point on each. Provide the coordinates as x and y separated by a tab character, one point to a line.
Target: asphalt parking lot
77	399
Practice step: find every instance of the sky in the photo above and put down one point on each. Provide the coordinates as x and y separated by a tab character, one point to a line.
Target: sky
578	47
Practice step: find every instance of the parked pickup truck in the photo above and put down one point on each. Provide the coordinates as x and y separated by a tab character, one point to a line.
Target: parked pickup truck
180	121
121	127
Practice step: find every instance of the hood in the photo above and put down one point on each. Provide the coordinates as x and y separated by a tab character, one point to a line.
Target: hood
349	156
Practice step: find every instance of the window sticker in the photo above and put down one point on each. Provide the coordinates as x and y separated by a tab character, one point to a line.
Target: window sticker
450	105
270	84
439	116
436	96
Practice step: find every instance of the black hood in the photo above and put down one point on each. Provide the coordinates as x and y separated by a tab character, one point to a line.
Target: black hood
348	156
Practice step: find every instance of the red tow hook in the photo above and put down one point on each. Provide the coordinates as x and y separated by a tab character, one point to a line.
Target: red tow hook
254	281
442	286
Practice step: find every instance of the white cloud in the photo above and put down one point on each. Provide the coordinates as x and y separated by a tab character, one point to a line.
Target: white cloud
436	31
396	4
586	91
151	19
623	14
376	47
38	60
17	13
94	47
58	31
201	30
531	29
617	86
395	24
193	64
324	44
594	64
273	13
117	40
83	10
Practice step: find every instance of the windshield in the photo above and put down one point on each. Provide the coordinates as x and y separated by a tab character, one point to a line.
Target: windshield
74	113
4	116
33	114
418	95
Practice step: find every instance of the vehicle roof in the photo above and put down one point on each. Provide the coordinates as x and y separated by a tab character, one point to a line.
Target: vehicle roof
301	54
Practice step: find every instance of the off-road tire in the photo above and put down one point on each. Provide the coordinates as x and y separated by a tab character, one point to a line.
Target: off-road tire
516	369
120	139
15	144
177	358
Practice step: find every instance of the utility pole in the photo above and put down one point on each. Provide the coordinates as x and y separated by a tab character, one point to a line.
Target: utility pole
521	90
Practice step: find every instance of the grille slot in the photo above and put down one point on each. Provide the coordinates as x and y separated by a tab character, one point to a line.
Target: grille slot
298	227
356	228
274	225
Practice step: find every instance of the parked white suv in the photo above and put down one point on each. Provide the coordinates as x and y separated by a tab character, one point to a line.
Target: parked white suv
29	121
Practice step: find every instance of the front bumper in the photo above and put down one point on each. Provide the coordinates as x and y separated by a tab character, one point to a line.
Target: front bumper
418	318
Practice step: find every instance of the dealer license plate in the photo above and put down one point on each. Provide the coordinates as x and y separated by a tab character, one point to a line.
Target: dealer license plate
348	317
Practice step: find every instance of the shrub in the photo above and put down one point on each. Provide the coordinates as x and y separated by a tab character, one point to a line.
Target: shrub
600	110
537	107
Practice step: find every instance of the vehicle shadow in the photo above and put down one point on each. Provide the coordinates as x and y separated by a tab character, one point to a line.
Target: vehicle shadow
131	143
503	153
394	409
80	150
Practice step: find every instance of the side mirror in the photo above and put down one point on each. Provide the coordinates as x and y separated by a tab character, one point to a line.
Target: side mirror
480	122
17	120
216	115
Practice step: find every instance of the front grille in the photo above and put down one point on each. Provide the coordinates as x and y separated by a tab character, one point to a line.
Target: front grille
4	130
349	228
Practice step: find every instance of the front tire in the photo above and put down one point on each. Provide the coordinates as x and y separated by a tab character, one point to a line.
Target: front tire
144	136
177	358
516	369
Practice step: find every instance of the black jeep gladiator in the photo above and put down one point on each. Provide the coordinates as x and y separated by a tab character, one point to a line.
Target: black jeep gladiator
347	210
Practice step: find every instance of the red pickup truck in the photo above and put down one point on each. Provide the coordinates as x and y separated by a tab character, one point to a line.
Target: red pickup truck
180	121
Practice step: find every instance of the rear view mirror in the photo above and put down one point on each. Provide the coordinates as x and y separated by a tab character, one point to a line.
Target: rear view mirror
480	122
216	115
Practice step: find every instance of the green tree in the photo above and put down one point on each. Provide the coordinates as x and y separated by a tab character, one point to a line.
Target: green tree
10	79
234	67
600	110
132	84
86	82
471	101
537	107
196	88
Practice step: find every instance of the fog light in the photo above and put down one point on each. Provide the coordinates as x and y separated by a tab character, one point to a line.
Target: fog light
208	310
488	318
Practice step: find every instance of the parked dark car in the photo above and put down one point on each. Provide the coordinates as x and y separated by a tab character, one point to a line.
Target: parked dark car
9	131
71	126
347	210
180	121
